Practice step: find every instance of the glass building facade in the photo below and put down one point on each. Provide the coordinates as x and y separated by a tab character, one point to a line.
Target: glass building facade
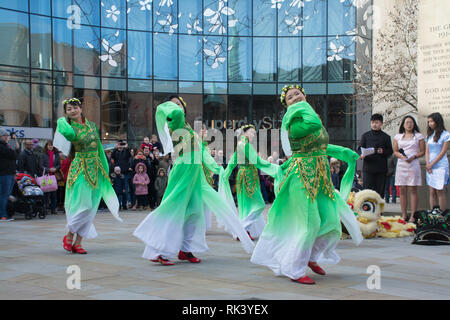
228	59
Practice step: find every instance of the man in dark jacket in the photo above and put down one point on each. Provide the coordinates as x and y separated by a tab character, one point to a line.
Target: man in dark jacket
375	164
7	171
121	157
28	161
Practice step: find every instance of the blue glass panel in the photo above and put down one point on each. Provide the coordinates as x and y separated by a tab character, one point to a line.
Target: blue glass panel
215	17
114	13
215	59
290	21
90	11
113	53
165	49
15	4
190	87
240	23
341	55
14	38
63	9
139	54
264	59
190	56
39	6
16	111
264	18
41	42
341	17
139	14
239	59
289	59
87	44
315	18
191	17
62	46
165	18
314	59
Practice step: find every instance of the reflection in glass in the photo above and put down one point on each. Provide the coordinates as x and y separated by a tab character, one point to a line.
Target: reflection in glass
60	8
87	50
15	106
139	55
90	104
41	46
140	15
37	6
62	46
264	18
239	110
41	105
113	53
215	110
341	17
264	59
315	17
90	12
16	5
339	118
60	93
190	58
341	55
140	116
165	18
239	59
191	17
314	59
289	59
113	115
165	56
240	23
194	107
215	59
114	13
14	37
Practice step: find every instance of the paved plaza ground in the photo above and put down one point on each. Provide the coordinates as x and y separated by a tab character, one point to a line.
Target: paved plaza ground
33	265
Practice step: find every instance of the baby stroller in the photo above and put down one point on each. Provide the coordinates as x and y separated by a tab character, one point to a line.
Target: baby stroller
27	198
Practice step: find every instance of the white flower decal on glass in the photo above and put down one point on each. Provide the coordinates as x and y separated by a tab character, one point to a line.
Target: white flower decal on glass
168	23
146	5
166	2
215	56
335	50
111	50
276	4
216	20
112	13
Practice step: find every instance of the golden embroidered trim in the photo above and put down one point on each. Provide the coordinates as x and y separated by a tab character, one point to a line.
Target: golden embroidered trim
247	176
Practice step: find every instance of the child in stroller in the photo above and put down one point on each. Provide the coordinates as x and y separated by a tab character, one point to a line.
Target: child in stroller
27	198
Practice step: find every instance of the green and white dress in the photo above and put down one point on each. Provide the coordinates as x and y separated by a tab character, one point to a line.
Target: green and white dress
179	222
249	197
88	181
304	221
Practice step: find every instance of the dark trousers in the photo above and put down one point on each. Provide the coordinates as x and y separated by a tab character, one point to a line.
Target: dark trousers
390	182
142	200
50	200
6	187
375	181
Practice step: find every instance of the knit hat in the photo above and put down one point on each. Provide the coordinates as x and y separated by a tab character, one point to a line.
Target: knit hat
3	132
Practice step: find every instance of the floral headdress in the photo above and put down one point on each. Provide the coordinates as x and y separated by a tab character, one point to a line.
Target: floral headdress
247	126
182	101
70	101
286	89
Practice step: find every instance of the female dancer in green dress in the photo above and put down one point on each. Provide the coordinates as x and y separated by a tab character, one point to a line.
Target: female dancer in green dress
249	197
88	181
303	225
177	226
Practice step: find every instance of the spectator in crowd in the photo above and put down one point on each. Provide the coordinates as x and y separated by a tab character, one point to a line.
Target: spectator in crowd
118	182
121	156
160	185
50	162
37	149
146	143
28	161
437	165
141	182
110	161
409	146
375	164
7	171
154	156
335	169
156	144
138	158
61	183
390	188
164	163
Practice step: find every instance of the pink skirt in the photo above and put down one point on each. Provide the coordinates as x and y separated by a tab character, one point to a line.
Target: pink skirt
408	174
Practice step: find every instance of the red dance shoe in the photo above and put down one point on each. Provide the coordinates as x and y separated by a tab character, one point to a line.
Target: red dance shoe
250	236
165	262
66	244
188	256
304	280
78	249
316	269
